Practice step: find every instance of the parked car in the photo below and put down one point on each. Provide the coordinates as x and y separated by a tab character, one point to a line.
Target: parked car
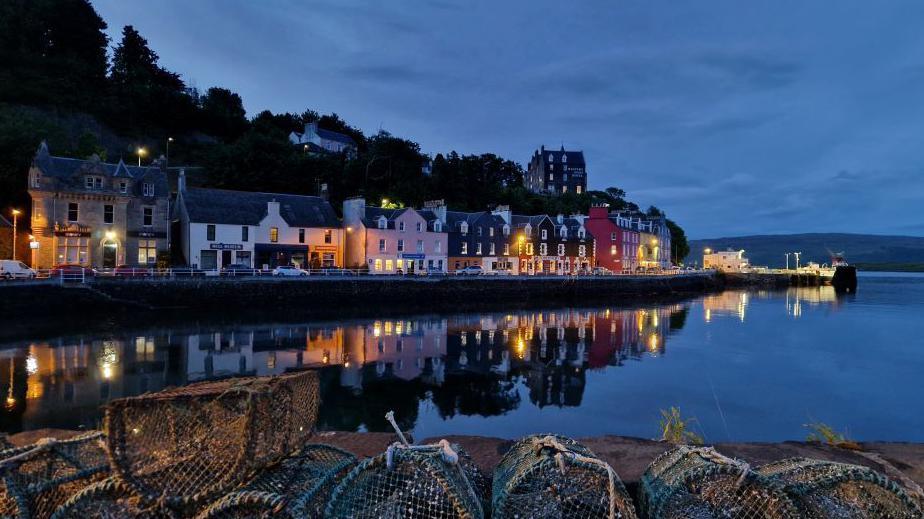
602	271
11	269
238	269
127	271
472	270
498	272
289	270
71	272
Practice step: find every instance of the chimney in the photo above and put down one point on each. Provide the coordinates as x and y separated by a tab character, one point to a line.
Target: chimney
354	210
438	207
560	218
272	208
324	194
181	182
503	211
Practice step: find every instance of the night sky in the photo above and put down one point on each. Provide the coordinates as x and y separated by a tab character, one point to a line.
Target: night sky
734	117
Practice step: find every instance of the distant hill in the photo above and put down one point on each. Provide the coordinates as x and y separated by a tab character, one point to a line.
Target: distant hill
865	249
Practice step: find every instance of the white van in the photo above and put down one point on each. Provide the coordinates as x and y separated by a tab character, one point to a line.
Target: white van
11	269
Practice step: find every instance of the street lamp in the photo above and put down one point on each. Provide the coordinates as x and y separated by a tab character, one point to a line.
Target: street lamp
16	213
169	140
141	152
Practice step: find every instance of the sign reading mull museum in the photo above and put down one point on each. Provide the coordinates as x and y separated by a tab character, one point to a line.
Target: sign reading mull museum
226	246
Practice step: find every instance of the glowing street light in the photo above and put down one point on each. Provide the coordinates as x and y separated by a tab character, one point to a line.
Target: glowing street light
16	213
141	152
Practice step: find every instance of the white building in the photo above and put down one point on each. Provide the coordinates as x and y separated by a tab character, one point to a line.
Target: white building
218	228
318	140
726	261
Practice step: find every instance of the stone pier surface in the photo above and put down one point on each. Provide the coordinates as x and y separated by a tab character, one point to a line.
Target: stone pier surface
628	456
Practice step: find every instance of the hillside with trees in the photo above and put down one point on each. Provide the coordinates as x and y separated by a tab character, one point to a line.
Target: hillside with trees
60	81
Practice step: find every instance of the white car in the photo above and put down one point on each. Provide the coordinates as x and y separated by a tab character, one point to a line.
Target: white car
289	270
11	269
471	270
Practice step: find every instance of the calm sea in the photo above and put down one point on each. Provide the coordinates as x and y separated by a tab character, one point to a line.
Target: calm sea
746	365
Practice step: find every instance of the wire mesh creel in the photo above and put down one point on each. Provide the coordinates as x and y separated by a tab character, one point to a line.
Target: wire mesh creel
297	487
37	478
698	482
548	476
409	482
827	490
187	446
111	499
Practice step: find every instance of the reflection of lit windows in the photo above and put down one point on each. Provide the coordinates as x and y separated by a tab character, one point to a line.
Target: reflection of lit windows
388	327
271	361
463	339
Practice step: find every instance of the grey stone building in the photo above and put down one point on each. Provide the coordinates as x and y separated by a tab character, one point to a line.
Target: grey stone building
97	214
556	172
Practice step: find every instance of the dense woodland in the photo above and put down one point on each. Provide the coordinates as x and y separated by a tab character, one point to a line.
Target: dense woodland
62	80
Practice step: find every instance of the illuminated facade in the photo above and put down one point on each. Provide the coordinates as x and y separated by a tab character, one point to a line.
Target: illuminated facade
726	261
98	214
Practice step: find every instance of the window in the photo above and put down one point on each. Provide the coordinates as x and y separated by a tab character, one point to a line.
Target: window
389	265
564	158
245	233
506	249
528	230
564	189
491	231
543	249
582	233
208	259
123	187
582	250
108	214
551	176
378	265
479	230
383	223
492	252
301	236
437	226
88	182
328	236
401	226
382	245
147	216
529	249
243	257
561	249
551	157
147	251
98	183
418	227
463	228
73	211
73	250
420	247
545	234
274	234
478	248
578	189
506	230
36	180
148	189
564	231
438	246
613	236
464	248
400	245
210	232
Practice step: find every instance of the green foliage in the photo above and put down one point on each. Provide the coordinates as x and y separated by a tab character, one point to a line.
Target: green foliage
821	432
675	429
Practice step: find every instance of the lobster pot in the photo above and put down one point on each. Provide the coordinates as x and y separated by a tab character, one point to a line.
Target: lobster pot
190	445
698	482
825	489
111	499
299	486
547	476
432	481
36	479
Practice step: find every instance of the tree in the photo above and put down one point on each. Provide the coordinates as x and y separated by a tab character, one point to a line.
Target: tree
680	247
223	114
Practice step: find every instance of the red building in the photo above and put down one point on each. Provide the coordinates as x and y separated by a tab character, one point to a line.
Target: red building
608	238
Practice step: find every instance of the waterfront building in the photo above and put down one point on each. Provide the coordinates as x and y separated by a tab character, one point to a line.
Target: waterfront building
550	246
315	141
218	227
98	214
393	241
478	238
556	172
726	261
611	235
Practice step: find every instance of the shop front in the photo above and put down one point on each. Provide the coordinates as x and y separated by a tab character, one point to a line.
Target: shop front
272	255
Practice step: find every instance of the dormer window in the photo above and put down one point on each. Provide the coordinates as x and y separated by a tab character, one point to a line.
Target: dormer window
564	232
479	230
528	230
551	157
463	228
506	230
148	189
564	158
123	187
437	226
545	234
582	233
93	182
383	223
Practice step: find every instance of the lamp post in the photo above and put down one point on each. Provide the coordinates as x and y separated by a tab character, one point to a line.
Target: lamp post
15	219
169	140
787	260
797	254
140	151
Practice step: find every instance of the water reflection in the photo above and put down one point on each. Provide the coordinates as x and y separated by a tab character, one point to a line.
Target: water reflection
463	364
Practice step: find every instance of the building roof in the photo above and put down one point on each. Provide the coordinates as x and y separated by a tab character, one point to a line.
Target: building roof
70	172
4	222
575	158
519	220
335	136
222	206
371	218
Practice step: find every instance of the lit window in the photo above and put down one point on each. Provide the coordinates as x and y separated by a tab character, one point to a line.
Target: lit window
506	249
551	176
328	236
274	234
612	250
561	249
378	265
147	251
582	250
389	265
564	157
564	189
492	250
529	249
478	248
545	234
506	230
464	248
491	231
578	188
463	228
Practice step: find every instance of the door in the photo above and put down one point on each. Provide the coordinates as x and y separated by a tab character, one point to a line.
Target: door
225	258
109	255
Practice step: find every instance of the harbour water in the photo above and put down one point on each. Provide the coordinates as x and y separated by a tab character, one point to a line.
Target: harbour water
746	365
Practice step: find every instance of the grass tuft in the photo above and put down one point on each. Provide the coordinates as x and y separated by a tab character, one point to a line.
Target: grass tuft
820	432
675	429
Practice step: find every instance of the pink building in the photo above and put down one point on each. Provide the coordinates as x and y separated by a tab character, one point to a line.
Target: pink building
393	241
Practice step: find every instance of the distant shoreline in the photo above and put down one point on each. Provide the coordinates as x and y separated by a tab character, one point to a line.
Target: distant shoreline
890	267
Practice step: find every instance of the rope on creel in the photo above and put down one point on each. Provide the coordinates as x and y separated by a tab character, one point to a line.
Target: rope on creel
561	450
709	453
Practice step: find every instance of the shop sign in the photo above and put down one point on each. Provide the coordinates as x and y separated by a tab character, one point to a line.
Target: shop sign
226	246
